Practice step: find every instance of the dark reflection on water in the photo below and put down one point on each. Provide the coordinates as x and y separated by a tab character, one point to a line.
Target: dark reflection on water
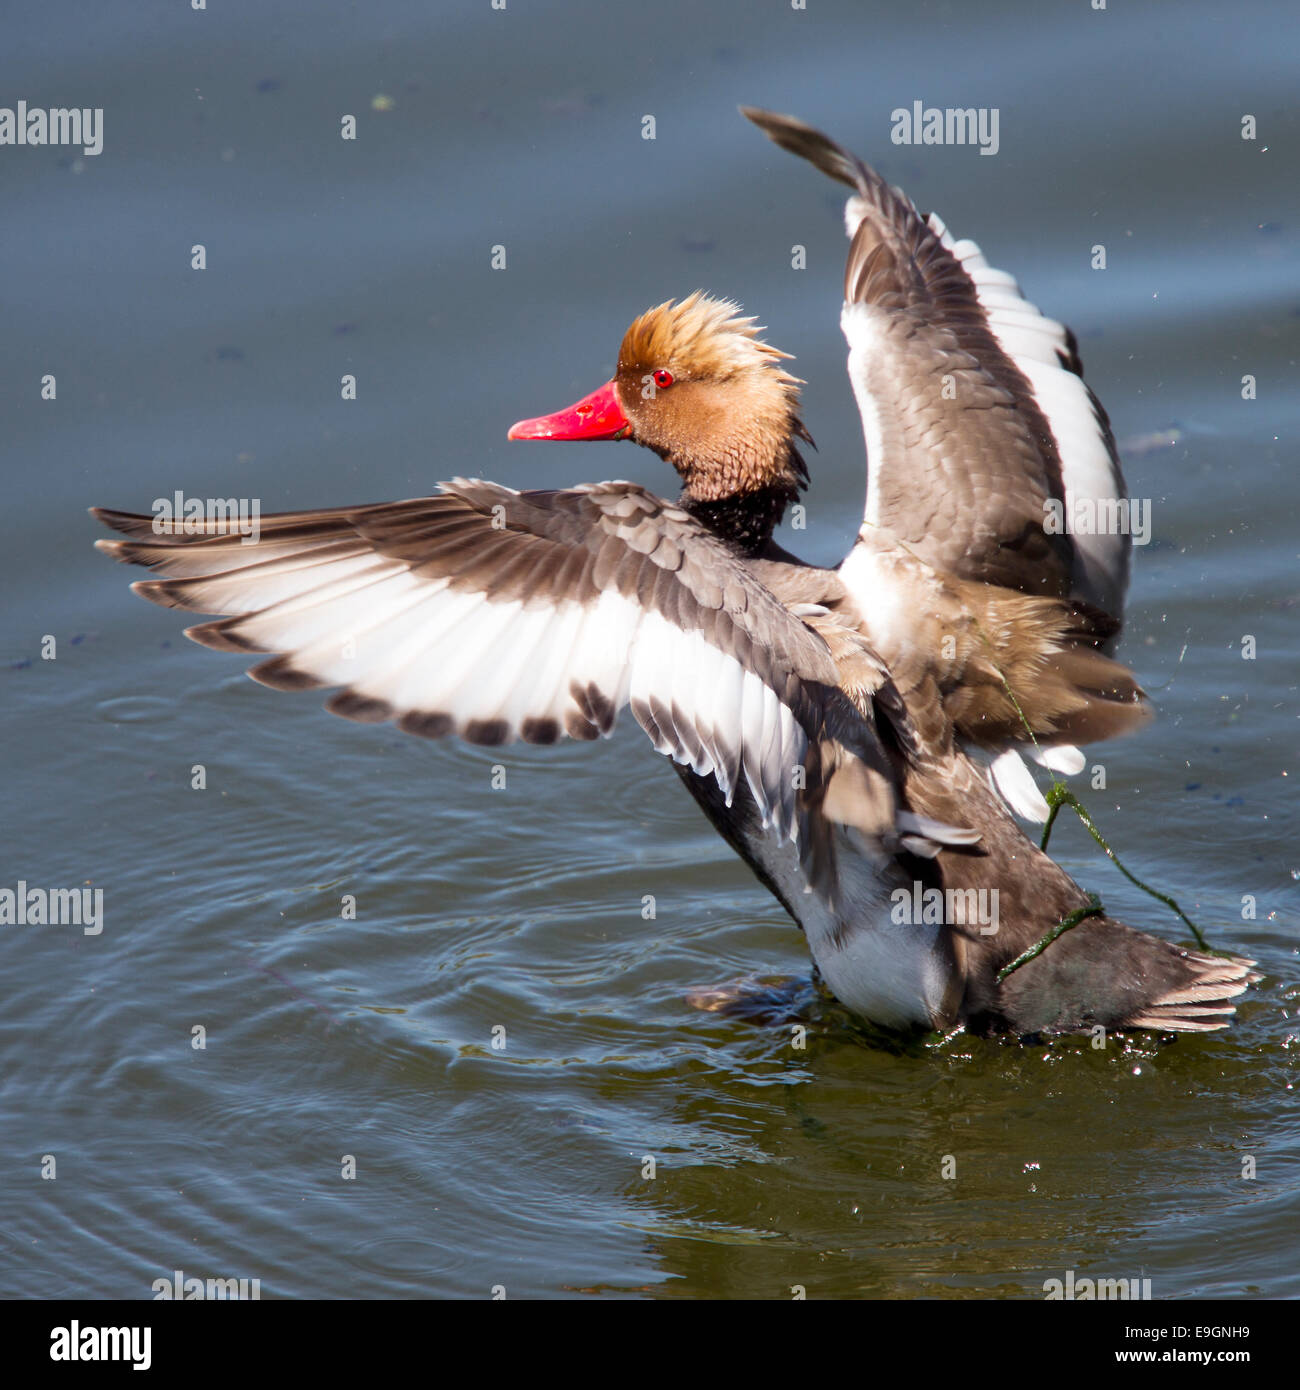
481	910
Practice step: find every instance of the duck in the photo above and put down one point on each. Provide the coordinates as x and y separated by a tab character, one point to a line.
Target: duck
834	754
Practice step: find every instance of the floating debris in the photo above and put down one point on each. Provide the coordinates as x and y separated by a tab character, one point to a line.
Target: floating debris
1149	443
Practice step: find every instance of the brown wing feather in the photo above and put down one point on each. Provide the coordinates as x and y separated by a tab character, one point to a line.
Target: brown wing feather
538	566
967	460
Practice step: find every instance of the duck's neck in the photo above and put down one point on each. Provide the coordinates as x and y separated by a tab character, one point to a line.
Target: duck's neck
746	520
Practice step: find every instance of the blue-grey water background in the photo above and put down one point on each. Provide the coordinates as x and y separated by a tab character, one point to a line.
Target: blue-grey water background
521	908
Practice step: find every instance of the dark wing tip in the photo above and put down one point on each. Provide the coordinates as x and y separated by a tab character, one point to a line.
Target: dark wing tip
281	674
128	523
809	143
362	709
166	593
223	635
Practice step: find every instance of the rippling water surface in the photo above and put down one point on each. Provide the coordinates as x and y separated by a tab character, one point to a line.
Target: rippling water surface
521	908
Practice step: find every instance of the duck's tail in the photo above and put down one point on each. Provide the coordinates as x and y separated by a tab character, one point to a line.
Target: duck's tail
1100	973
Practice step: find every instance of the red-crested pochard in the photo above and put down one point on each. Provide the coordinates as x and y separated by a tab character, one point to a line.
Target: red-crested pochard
817	716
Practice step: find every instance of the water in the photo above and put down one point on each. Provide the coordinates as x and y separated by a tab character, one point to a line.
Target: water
521	908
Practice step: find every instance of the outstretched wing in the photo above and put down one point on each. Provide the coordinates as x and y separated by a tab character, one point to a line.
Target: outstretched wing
976	415
500	615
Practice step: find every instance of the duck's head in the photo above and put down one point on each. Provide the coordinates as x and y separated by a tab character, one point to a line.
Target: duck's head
697	385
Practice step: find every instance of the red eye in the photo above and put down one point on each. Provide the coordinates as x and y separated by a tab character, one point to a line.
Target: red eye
663	379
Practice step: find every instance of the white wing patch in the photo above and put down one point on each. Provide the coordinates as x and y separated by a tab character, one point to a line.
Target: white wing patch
865	342
683	692
441	659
